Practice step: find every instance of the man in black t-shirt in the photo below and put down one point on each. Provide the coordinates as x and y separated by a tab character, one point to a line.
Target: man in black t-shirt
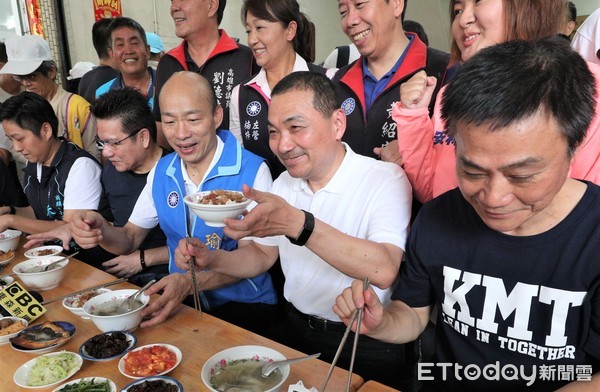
509	260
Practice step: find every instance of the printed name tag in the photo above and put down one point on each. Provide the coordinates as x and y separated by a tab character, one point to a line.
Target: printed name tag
18	302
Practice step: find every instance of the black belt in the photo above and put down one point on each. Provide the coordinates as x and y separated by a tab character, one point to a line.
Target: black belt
315	322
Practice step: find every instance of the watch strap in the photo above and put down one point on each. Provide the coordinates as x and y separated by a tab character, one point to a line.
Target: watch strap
309	225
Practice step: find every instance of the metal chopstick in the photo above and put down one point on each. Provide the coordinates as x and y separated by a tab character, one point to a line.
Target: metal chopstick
355	343
355	314
84	290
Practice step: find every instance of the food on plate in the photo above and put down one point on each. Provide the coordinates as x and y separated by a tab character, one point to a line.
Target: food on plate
8	326
111	307
81	299
50	369
88	385
221	197
44	252
153	386
46	335
244	374
149	361
6	255
106	345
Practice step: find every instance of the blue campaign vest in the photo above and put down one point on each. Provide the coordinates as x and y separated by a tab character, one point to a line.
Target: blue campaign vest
235	167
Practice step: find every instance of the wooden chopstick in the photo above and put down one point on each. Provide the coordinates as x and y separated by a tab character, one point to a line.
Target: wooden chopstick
100	286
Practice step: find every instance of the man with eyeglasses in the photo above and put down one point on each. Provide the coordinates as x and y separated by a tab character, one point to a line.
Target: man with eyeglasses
127	135
204	159
30	62
61	180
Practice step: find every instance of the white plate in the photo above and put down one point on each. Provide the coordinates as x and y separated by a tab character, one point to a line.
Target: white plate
35	252
5	338
168	346
20	377
70	328
168	380
97	380
130	338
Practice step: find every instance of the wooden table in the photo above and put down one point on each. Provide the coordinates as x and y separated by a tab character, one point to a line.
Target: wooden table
374	386
198	339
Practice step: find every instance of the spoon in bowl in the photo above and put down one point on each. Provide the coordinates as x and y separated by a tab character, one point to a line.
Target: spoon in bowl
269	367
127	304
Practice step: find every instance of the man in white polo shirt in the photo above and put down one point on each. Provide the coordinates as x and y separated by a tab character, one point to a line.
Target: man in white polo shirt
332	217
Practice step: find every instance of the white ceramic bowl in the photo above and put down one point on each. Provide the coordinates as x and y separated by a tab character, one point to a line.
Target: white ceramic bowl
169	347
213	215
45	280
9	239
5	338
6	258
78	310
122	322
222	358
20	377
7	280
41	251
96	380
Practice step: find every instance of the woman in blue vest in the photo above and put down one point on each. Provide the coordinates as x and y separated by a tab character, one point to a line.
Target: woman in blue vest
281	41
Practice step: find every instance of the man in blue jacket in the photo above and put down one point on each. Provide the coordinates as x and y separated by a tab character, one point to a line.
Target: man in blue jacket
203	159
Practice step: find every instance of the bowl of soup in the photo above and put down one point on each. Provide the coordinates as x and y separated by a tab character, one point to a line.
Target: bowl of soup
104	313
240	366
32	274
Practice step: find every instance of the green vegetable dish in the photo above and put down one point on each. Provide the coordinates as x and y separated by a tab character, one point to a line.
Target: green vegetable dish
50	369
88	385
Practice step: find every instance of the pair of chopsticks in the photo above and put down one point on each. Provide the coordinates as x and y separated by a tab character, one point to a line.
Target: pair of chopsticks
356	315
100	286
194	284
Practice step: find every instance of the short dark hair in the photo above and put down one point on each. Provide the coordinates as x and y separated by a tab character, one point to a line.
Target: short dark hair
3	54
417	28
124	21
29	111
512	81
284	12
101	37
128	105
325	98
572	14
45	67
221	10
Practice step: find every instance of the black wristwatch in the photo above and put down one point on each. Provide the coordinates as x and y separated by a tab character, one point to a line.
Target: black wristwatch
309	225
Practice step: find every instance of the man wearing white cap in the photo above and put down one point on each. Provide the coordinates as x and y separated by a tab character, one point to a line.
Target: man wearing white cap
31	62
157	49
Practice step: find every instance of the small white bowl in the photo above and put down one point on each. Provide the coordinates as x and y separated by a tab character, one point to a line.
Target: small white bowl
223	358
78	310
20	377
169	347
166	379
42	251
5	338
122	322
213	215
9	239
96	380
7	280
45	280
